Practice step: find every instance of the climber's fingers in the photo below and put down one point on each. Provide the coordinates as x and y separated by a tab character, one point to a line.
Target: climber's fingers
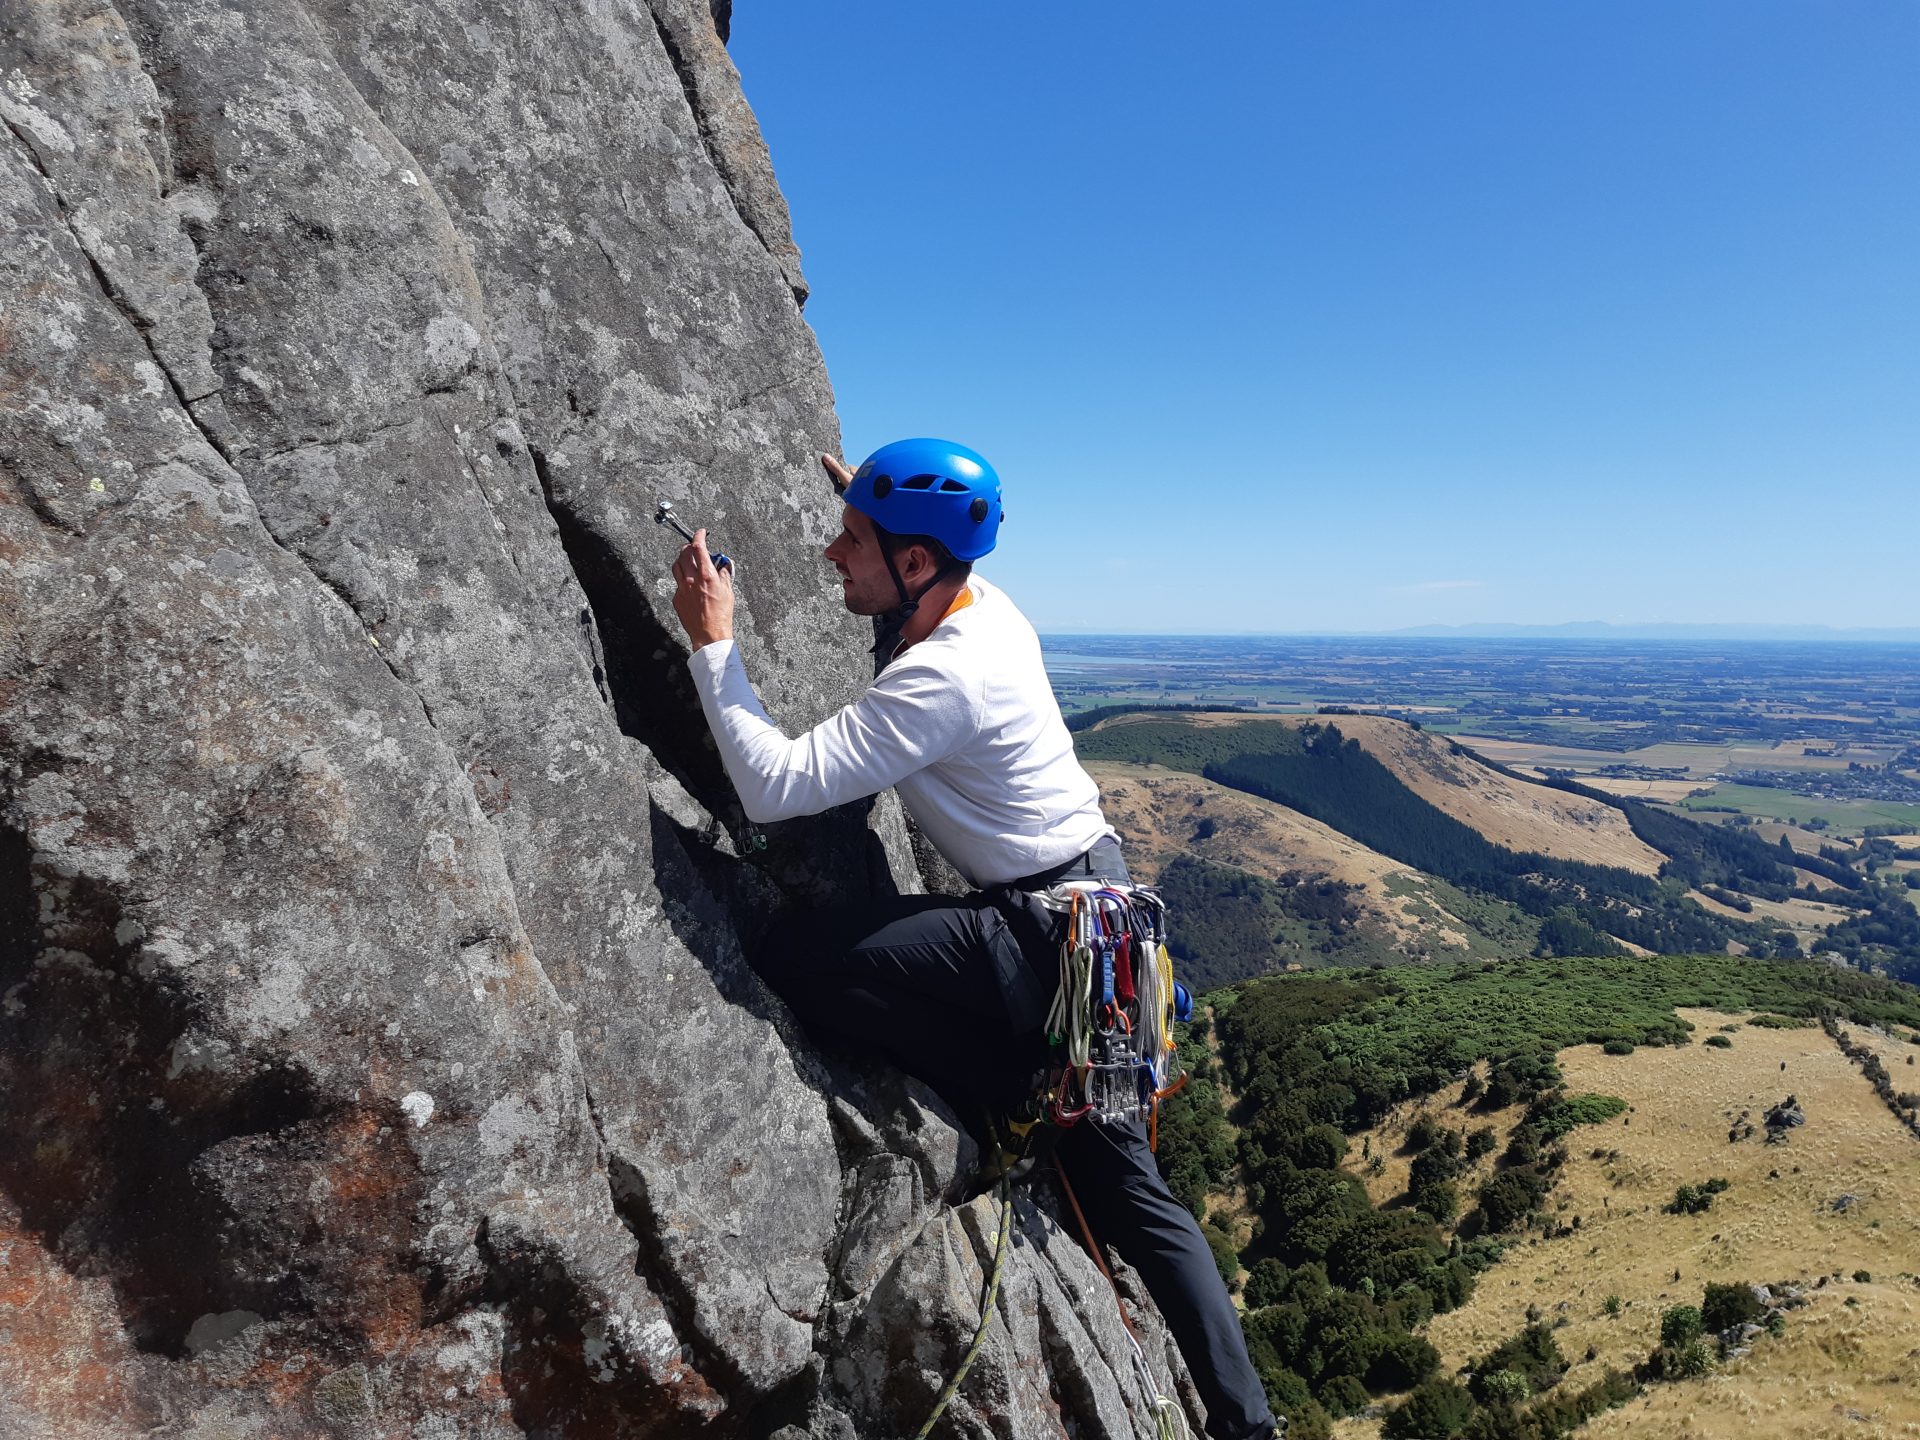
701	597
837	472
705	571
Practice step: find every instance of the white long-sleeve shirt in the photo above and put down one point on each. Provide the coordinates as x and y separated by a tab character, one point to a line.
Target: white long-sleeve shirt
963	724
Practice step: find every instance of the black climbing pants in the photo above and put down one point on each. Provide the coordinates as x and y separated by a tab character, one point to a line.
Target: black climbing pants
956	992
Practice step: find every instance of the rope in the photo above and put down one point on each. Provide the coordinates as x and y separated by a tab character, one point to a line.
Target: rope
1169	1422
986	1311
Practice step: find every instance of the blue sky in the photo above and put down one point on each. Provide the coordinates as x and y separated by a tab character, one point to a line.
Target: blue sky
1354	315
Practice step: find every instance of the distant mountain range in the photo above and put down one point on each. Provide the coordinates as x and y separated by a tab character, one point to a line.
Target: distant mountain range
1601	630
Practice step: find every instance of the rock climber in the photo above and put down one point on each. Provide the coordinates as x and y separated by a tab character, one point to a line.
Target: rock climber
961	720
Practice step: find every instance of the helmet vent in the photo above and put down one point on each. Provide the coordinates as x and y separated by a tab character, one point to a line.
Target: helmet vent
918	482
953	487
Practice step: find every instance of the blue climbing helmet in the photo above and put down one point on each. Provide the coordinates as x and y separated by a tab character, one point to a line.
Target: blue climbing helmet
930	487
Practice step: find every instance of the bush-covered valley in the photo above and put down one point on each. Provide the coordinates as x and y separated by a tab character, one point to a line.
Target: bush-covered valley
1337	1288
1237	924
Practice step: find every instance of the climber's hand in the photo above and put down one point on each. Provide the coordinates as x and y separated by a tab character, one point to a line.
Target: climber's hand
837	472
702	595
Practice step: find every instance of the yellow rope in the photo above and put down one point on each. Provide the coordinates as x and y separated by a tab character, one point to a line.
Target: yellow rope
986	1312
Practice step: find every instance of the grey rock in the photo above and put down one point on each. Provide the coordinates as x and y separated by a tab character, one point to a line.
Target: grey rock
1787	1115
377	1051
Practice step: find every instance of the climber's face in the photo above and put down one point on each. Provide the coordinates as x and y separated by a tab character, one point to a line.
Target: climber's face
865	585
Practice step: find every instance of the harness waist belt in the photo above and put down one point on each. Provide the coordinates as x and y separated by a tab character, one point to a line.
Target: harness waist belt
1103	860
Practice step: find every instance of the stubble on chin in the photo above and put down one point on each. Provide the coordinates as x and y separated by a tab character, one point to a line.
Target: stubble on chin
858	603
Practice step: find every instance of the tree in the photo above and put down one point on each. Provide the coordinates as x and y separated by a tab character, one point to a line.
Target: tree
1509	1197
1436	1410
1680	1324
1728	1305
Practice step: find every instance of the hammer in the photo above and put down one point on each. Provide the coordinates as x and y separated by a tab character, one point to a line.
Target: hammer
663	515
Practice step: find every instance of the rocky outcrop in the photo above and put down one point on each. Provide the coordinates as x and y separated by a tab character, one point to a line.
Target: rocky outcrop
376	1052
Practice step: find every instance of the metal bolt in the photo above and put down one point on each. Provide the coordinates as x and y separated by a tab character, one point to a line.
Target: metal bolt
663	515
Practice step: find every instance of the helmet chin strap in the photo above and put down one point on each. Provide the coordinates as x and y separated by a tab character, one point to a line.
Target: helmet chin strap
887	627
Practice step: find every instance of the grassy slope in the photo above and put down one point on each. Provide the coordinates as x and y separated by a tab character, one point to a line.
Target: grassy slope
1684	1100
1406	915
1439	813
1509	812
1685	1097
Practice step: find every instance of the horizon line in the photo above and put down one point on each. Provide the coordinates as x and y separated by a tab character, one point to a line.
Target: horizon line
1585	630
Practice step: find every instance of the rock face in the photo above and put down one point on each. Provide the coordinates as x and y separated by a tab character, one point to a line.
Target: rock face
376	1053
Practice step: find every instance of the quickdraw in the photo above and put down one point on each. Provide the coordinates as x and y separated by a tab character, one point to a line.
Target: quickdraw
1111	1025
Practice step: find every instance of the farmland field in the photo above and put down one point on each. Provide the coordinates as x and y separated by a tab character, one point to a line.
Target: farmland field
1776	804
1831	732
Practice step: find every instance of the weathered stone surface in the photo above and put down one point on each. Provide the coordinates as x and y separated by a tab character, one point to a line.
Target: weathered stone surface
376	1052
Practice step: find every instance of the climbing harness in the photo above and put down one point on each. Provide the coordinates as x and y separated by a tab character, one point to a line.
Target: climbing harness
1169	1422
1111	1025
986	1310
1111	1030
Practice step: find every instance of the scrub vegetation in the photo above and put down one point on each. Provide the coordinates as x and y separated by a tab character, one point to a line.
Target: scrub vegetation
1296	1077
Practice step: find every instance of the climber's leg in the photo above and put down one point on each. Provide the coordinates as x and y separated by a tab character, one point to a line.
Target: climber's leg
915	979
1129	1207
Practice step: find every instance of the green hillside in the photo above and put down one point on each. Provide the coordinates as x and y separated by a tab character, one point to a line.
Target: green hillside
1578	908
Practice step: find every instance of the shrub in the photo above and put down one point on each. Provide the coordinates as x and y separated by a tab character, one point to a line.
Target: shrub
1422	1133
1517	1078
1728	1305
1865	1277
1693	1199
1533	1356
1680	1362
1399	1362
1501	1422
1719	1042
1680	1324
1221	1244
1617	1047
1509	1197
1344	1395
1504	1387
1611	1306
1439	1199
1436	1410
1448	1285
1556	1120
1287	1393
1561	1414
1481	1142
1430	1166
1319	1147
1266	1284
